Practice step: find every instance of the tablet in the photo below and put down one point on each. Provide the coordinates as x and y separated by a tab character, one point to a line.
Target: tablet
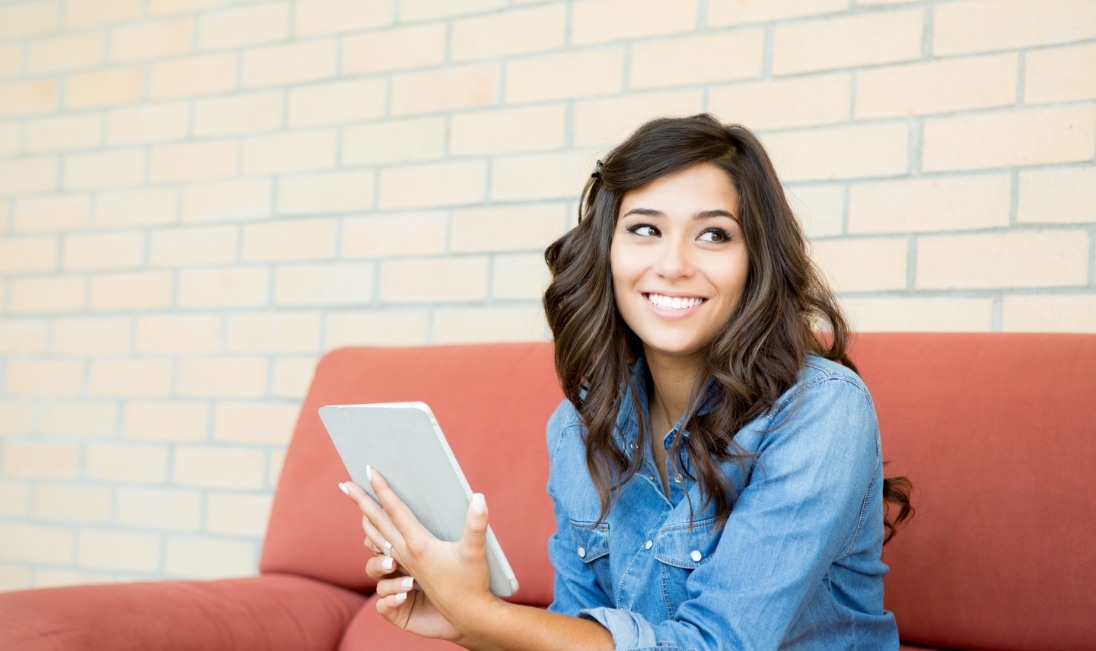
404	442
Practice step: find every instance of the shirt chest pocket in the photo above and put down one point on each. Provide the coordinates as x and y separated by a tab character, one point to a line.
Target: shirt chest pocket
680	550
591	545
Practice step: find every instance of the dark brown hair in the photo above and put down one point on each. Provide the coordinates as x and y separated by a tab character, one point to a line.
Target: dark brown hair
748	366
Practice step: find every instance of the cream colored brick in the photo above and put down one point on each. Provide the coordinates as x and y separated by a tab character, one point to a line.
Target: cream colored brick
862	265
376	328
152	41
218	288
330	16
840	152
1065	195
123	250
599	21
14	578
514	32
178	334
209	558
150	123
1067	313
28	19
48	578
103	12
28	175
57	213
34	543
135	208
291	378
45	377
22	98
130	377
72	503
154	508
323	193
910	314
11	60
688	60
988	25
274	332
23	336
1033	136
290	64
430	185
1015	259
395	141
324	284
244	26
166	420
564	76
243	377
21	255
1060	74
519	276
101	170
434	280
256	422
400	48
14	497
448	89
274	467
416	10
740	12
196	161
937	86
127	463
930	205
47	294
227	201
541	176
508	130
290	152
290	240
83	419
861	40
41	461
131	291
177	247
507	228
394	235
117	550
92	336
167	7
609	121
200	75
488	324
219	467
338	102
820	209
242	113
64	133
238	515
68	52
104	87
16	418
801	101
9	141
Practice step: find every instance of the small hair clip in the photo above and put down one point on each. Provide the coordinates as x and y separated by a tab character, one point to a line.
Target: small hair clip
597	170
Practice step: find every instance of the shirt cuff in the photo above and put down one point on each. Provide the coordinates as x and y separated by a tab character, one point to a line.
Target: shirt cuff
629	631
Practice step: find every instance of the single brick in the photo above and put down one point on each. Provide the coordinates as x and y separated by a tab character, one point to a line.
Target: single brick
687	60
261	423
130	377
238	377
1060	195
168	7
30	254
820	209
290	152
434	280
448	89
150	41
322	193
23	337
233	514
844	263
150	123
910	314
195	161
200	75
804	101
16	418
454	325
859	40
389	235
566	76
508	130
219	467
233	287
297	239
399	48
104	12
1003	260
156	508
332	16
243	26
28	175
104	87
519	276
930	205
340	283
840	152
131	291
166	420
518	31
68	52
1060	74
109	169
609	121
227	200
507	228
14	495
94	251
40	461
129	208
937	86
36	543
395	141
274	332
289	64
179	247
178	334
416	10
239	113
449	183
1050	313
28	19
47	294
399	327
337	102
83	503
292	377
25	97
541	176
79	418
744	12
118	550
118	463
92	336
960	27
64	133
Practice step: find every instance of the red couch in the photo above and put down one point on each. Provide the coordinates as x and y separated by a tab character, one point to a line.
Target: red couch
997	432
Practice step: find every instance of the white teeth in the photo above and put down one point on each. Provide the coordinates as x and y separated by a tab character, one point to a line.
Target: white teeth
673	302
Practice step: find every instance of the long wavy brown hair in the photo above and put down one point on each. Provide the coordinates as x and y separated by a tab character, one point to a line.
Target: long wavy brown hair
747	367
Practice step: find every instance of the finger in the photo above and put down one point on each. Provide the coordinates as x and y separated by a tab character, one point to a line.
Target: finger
404	520
473	544
388	607
389	587
379	567
383	528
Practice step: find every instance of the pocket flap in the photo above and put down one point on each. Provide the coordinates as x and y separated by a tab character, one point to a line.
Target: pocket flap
590	542
680	546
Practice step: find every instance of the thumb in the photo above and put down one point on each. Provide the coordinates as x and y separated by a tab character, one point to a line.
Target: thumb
473	542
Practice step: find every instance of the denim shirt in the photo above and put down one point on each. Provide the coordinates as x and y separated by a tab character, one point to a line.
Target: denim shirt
797	564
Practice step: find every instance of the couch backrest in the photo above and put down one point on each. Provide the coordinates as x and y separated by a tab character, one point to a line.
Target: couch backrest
998	434
492	401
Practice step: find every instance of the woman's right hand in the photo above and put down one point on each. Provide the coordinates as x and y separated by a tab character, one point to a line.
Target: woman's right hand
404	606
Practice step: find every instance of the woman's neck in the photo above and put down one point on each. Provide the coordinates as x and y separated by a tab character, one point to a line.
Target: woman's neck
673	380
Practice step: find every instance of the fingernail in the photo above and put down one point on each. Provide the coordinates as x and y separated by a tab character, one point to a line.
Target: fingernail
479	503
388	564
400	596
369	474
407	582
344	488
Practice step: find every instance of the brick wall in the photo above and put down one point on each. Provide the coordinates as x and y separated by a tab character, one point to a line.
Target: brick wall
199	197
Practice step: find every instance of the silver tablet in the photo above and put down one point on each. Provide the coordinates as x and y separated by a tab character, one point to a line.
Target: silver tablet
403	441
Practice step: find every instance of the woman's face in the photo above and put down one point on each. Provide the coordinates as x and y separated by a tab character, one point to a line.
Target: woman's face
679	261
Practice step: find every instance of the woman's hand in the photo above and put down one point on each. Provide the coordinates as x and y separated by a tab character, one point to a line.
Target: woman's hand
401	604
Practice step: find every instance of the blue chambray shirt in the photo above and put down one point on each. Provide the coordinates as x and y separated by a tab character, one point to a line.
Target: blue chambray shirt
795	567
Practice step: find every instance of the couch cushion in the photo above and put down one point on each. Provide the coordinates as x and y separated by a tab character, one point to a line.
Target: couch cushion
998	434
492	401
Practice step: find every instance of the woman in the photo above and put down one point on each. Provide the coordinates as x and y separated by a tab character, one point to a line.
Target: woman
715	468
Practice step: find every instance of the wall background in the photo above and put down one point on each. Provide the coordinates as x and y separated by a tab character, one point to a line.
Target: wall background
199	197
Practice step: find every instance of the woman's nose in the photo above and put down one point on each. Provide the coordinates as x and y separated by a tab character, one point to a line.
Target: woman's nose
674	259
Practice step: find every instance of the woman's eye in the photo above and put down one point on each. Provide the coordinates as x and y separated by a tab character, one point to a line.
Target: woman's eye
643	230
715	235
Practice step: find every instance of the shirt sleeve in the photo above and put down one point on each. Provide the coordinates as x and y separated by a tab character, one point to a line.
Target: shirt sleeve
803	509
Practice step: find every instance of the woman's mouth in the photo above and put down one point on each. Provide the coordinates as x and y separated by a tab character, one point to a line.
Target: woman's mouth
674	302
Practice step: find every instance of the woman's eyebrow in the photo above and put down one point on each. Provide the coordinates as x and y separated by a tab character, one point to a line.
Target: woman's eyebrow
708	214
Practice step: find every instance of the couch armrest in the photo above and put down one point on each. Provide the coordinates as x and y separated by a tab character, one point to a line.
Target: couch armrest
264	613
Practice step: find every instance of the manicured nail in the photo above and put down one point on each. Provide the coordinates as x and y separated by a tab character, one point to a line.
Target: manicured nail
479	503
407	582
344	488
369	474
388	564
400	597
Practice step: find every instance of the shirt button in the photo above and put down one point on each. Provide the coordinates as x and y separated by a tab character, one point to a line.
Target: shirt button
652	477
582	552
678	478
649	544
635	446
695	555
